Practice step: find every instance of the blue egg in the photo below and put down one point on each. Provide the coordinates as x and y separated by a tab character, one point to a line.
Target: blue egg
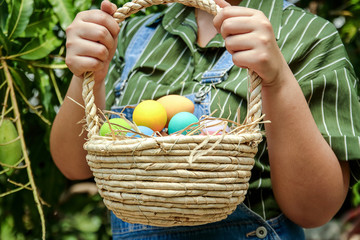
180	121
145	130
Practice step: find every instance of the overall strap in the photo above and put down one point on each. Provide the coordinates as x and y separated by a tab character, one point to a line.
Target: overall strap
137	45
219	72
287	4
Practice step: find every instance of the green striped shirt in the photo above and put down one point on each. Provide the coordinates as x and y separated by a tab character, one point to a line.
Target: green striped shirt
173	63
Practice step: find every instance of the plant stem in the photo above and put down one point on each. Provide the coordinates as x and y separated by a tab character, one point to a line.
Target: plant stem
5	105
23	145
16	190
20	184
56	87
38	113
50	66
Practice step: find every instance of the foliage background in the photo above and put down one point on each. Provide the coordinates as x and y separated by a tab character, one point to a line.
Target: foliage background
33	49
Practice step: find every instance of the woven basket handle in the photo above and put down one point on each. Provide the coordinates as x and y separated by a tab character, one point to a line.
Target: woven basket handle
129	8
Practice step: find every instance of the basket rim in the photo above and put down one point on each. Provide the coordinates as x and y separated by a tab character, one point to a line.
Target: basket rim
105	144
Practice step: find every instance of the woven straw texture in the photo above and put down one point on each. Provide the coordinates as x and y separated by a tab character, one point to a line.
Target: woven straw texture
173	180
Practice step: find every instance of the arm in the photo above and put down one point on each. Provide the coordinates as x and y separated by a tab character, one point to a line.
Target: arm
308	181
91	43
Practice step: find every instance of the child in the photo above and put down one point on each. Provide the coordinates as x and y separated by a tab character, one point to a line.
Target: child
312	144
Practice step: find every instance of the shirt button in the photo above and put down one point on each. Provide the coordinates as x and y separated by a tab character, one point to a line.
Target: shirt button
261	232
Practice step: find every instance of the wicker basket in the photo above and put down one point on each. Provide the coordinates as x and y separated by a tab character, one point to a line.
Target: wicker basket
173	180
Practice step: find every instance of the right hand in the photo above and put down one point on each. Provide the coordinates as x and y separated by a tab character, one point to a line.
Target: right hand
249	38
92	41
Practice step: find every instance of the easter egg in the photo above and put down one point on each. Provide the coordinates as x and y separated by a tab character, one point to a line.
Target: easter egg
151	114
180	121
216	126
116	125
145	130
174	104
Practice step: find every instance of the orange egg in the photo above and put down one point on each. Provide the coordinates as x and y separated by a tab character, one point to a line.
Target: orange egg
174	104
151	114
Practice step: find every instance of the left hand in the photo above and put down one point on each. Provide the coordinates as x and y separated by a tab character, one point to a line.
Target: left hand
250	38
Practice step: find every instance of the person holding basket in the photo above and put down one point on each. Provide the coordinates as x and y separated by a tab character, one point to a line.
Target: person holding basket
310	155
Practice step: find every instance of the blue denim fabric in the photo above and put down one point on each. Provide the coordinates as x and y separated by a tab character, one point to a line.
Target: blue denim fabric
242	224
136	47
219	71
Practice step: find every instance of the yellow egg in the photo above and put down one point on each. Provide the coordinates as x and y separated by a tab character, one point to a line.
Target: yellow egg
175	104
151	114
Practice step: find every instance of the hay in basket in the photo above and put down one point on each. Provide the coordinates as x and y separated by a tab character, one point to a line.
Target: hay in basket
175	180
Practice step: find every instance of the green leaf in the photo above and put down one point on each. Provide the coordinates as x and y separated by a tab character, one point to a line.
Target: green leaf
42	4
64	10
7	228
21	80
356	194
4	12
40	23
40	47
348	32
354	2
82	5
19	17
4	41
44	86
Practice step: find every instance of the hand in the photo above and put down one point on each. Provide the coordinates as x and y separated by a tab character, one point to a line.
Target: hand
92	40
249	37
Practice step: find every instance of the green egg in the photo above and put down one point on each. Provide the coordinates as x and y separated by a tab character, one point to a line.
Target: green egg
116	125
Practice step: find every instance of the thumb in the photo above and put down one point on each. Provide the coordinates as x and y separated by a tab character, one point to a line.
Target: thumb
108	7
222	3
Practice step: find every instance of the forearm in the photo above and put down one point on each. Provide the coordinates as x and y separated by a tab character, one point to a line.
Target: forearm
307	178
67	135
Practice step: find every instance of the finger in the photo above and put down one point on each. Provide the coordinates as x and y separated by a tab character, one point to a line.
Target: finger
93	50
222	3
244	59
104	19
78	65
108	7
254	60
230	12
96	33
236	25
87	49
237	43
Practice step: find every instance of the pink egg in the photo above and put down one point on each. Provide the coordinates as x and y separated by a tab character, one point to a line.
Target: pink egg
214	127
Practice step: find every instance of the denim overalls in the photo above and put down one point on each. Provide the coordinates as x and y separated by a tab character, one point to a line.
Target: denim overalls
243	223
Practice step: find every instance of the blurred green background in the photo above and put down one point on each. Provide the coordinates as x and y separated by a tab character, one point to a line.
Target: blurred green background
32	52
